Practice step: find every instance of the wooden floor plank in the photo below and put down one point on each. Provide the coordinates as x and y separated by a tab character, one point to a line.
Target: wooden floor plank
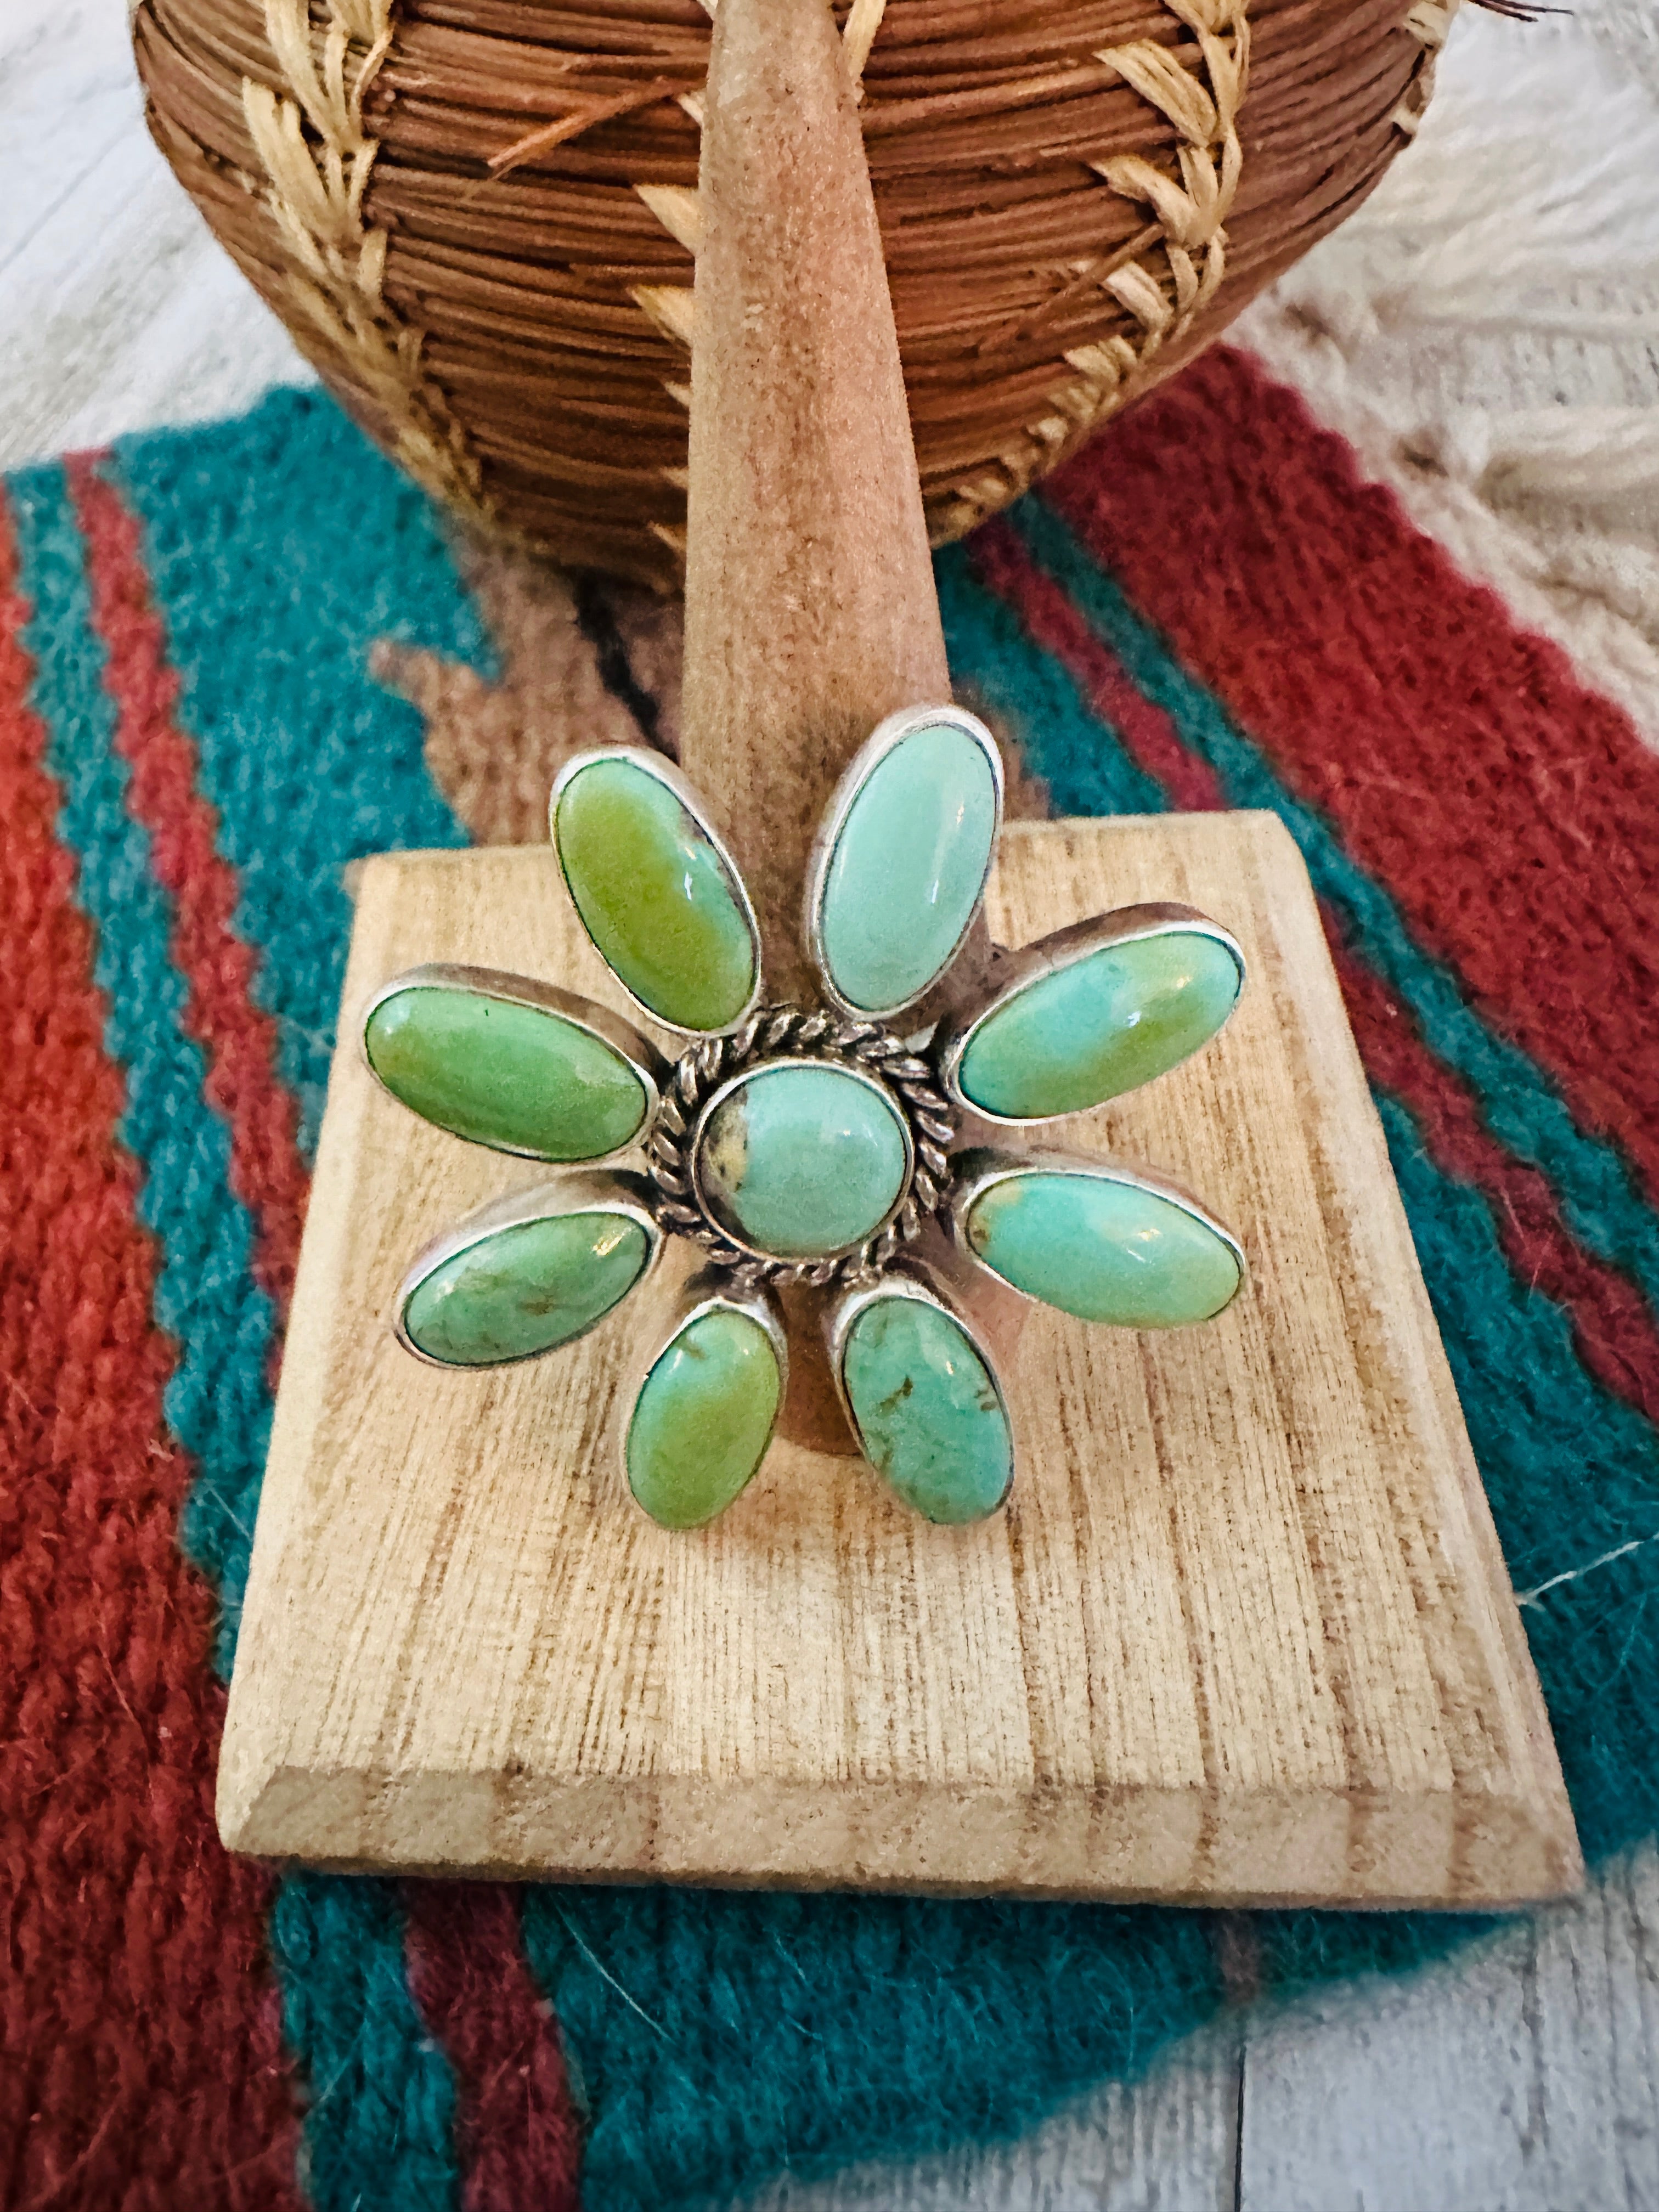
117	311
1520	2076
1165	2143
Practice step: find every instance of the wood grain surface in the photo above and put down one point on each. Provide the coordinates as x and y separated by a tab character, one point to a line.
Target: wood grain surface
1244	1633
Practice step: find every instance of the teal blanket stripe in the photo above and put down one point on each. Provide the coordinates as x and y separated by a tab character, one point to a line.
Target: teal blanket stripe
279	550
217	1403
379	2128
1522	1106
1571	1472
723	2038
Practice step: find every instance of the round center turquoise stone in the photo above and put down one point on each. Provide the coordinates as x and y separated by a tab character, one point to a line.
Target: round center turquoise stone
801	1159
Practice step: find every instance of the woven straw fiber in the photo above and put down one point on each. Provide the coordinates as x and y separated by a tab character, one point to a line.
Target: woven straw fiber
479	217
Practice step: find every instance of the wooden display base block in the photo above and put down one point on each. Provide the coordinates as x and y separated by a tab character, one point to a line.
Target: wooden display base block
1244	1633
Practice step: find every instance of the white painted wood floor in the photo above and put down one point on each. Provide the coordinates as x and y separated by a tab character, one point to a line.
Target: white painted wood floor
1523	2077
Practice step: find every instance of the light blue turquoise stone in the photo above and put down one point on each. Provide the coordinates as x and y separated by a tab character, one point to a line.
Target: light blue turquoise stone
803	1159
1111	1020
525	1288
927	1410
1105	1251
908	868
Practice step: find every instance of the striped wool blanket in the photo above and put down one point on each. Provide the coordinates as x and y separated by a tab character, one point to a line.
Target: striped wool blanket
1212	606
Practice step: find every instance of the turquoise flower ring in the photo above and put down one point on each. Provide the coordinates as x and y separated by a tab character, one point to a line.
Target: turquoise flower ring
808	1145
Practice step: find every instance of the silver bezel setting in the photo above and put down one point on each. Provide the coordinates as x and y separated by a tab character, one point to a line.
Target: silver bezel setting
711	1069
649	1065
701	1294
919	1283
1014	972
669	776
982	1167
883	740
623	1193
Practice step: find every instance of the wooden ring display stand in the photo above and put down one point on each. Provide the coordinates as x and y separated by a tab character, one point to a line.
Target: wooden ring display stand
1243	1631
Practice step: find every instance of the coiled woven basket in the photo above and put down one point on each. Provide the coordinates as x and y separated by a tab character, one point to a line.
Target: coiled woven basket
478	217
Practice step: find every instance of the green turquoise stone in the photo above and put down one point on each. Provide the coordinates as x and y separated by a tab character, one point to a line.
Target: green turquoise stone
1105	1251
522	1078
908	868
802	1159
703	1418
927	1410
524	1290
654	896
1107	1022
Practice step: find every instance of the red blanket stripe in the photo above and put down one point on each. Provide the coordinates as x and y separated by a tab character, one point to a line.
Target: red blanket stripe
237	1036
520	2142
1304	599
141	2064
1615	1328
502	2047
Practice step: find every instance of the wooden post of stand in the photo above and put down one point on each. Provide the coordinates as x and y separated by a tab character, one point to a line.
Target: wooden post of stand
809	607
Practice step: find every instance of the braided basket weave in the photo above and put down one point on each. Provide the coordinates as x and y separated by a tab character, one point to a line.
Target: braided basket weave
478	217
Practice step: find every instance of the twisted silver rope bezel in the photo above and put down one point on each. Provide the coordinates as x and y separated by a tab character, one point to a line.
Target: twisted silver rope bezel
792	1031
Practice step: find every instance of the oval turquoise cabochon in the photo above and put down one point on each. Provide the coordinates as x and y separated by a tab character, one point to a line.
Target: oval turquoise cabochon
704	1418
497	1071
1101	1023
908	867
526	1288
1103	1250
928	1414
655	895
